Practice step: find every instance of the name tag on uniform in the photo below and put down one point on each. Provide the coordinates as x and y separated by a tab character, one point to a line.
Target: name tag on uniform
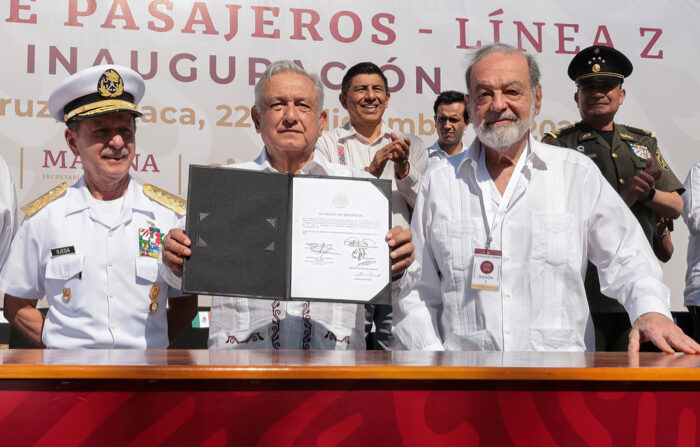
149	241
486	274
62	250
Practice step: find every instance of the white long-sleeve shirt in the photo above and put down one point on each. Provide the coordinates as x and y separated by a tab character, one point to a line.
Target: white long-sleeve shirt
435	153
558	211
345	146
691	215
249	323
8	210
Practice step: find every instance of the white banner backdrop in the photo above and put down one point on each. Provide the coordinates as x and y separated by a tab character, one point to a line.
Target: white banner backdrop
201	59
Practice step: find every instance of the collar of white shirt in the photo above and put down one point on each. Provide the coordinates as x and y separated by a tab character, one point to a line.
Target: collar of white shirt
317	166
348	131
535	159
133	199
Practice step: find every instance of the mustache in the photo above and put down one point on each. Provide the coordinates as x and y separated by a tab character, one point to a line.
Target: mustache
502	116
109	152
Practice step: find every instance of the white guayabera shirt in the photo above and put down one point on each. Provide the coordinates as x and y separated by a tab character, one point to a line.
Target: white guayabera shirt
8	210
558	211
248	323
691	215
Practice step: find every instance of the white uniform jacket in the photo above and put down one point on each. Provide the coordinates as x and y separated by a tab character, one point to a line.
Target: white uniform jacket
97	285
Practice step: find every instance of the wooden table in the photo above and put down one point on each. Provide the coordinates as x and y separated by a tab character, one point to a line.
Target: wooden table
347	398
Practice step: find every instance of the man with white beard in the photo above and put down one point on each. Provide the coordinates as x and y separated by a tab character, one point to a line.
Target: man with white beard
502	233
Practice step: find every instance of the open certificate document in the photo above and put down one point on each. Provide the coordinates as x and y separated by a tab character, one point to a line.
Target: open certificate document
339	248
287	237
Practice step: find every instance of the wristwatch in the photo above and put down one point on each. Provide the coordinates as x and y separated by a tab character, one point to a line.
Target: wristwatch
662	235
650	195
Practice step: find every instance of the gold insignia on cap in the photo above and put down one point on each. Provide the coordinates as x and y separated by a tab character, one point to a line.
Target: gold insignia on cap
596	68
110	84
107	105
170	201
32	207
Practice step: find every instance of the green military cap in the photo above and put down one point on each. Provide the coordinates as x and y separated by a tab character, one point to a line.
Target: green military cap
599	63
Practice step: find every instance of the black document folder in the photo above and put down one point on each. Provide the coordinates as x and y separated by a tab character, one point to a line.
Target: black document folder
240	225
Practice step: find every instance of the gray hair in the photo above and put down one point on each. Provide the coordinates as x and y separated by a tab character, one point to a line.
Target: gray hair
284	66
533	68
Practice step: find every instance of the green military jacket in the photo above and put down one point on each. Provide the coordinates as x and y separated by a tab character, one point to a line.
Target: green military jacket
631	147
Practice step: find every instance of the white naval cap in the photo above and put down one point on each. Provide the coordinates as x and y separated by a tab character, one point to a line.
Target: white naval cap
97	91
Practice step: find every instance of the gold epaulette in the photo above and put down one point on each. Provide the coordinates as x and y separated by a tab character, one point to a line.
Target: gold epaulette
554	134
639	131
32	207
170	201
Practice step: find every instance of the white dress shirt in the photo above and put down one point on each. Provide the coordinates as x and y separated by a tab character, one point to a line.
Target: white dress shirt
557	212
98	295
435	153
691	215
345	146
249	323
8	210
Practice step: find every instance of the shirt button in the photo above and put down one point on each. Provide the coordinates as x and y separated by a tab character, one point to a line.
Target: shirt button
109	263
155	276
507	331
111	294
622	181
111	233
65	274
614	155
111	326
508	295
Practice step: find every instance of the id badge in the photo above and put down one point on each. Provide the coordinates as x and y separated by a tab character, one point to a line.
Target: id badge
486	273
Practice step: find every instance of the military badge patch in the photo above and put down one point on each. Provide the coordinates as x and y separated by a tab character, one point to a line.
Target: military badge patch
640	151
662	162
149	241
110	84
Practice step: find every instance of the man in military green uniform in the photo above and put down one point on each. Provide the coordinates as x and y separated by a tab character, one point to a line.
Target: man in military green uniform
628	158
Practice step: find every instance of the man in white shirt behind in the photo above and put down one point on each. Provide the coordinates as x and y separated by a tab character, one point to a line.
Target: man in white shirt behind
691	216
451	120
503	231
8	210
365	142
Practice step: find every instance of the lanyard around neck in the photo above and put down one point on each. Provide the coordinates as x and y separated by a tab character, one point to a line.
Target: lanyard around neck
485	184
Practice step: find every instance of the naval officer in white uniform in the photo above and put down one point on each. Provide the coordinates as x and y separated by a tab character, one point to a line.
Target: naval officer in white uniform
92	248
